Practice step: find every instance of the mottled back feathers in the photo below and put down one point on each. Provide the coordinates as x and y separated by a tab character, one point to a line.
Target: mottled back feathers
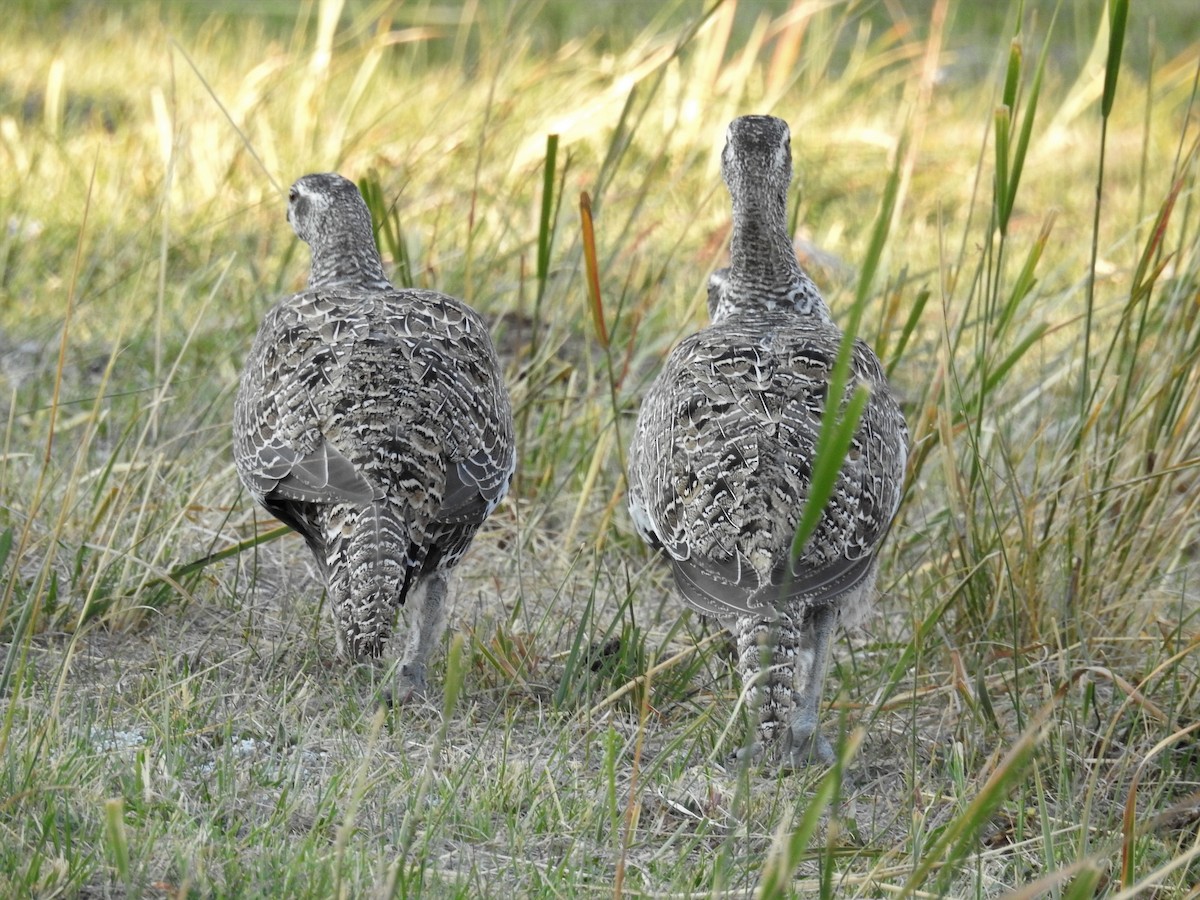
721	463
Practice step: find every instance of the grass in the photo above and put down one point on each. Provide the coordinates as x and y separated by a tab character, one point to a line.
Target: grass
1019	241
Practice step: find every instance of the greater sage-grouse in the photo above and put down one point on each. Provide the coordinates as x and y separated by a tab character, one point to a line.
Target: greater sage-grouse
375	422
721	461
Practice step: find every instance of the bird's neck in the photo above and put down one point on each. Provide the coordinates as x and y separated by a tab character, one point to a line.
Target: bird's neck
764	272
348	258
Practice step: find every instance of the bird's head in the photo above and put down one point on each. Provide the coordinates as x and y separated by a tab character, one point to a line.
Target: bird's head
757	156
325	204
329	214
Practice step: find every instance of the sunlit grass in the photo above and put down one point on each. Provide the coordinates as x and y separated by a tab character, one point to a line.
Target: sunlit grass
1019	712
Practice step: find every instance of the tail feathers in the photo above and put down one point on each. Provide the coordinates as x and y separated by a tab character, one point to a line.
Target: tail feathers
373	558
768	651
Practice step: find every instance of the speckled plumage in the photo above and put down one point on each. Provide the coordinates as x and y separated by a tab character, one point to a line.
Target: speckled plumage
375	422
721	460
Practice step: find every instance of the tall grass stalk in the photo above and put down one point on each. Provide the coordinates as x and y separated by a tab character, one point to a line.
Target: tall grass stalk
1118	12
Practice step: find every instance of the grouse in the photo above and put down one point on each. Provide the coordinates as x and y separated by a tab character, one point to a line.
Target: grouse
721	461
375	422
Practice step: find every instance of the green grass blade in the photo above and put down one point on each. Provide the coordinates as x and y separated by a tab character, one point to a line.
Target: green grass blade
6	543
1003	118
116	838
1012	75
545	237
1026	133
831	454
995	377
1118	15
908	330
837	425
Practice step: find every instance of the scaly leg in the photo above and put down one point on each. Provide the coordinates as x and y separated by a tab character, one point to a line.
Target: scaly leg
427	603
803	743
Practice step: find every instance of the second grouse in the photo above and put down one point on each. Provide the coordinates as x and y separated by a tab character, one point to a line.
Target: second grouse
721	461
375	422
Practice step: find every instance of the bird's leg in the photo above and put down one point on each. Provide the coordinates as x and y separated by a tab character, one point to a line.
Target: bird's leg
426	621
343	646
803	743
